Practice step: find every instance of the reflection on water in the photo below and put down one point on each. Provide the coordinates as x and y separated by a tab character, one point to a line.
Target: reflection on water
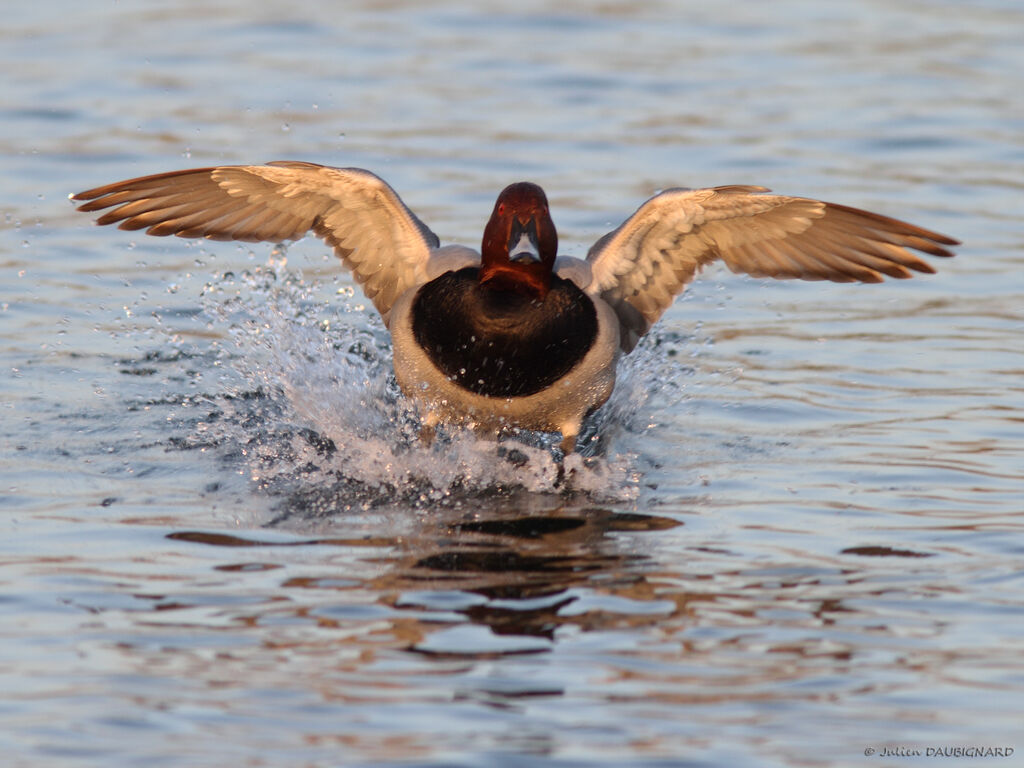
512	572
793	535
540	609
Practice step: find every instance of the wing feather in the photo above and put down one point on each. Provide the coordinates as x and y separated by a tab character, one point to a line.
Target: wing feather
359	215
640	267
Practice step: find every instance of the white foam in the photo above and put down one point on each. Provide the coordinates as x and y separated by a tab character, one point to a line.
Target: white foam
324	365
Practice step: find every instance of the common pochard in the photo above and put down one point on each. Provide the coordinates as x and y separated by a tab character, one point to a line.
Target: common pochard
515	336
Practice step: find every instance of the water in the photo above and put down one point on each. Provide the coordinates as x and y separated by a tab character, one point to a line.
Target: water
794	536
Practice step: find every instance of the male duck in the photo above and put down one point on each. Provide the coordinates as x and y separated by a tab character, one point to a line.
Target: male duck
513	337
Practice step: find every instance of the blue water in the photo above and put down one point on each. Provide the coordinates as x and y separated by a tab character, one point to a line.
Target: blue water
799	540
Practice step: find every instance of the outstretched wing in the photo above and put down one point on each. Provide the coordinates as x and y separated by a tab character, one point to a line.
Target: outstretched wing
354	211
643	265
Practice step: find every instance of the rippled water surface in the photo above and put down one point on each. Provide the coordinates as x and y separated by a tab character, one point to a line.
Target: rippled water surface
794	536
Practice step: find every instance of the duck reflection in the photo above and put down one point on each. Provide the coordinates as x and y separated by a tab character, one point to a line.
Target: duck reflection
526	561
518	566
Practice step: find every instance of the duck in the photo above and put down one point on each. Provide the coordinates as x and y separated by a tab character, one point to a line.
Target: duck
514	336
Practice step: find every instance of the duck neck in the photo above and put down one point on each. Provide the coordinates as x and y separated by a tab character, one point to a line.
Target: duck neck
530	280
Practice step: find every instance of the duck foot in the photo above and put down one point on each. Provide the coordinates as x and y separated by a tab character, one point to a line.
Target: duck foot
428	429
565	449
427	435
513	456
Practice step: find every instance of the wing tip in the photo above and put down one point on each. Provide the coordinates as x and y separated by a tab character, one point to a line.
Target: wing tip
93	197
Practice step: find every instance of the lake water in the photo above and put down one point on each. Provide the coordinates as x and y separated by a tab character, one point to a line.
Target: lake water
800	541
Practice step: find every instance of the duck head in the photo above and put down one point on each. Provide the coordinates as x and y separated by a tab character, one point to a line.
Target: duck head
520	242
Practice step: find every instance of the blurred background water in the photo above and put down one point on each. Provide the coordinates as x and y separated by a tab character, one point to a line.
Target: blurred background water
220	545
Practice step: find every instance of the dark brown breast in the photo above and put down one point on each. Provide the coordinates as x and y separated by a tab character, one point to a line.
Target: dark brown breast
501	343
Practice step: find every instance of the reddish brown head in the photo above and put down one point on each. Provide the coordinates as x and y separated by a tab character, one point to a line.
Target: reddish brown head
520	242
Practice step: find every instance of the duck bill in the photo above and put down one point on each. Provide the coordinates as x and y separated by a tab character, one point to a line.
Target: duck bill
523	245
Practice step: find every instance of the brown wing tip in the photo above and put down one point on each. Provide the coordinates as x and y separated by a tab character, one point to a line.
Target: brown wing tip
97	194
94	205
139	183
916	237
943	252
932	242
89	194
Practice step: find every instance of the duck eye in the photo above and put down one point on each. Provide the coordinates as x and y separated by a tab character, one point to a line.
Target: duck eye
501	208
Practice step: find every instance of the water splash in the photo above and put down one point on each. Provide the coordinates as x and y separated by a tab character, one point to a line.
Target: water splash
313	405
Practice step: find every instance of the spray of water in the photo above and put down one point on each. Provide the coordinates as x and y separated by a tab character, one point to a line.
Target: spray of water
312	403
